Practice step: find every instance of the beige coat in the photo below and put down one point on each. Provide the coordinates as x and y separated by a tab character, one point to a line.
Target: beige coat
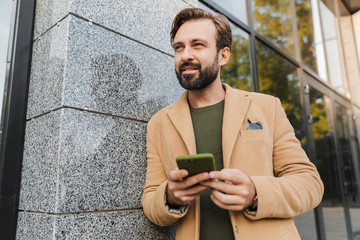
287	183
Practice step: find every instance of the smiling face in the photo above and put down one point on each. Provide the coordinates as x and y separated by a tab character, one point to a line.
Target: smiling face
196	57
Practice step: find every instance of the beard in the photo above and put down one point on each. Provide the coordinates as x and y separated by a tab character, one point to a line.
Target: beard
205	78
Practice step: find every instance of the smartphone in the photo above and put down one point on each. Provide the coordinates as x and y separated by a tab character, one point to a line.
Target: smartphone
194	164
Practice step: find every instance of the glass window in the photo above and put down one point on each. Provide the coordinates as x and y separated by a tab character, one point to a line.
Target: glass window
305	223
280	78
350	165
349	45
272	19
310	37
332	206
235	7
356	118
5	17
331	45
237	72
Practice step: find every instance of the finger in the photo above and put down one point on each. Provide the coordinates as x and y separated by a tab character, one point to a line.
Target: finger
243	191
231	207
181	197
228	199
186	182
195	190
234	176
220	186
196	179
177	174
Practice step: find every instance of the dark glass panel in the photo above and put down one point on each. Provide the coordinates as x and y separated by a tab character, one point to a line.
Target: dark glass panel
272	19
333	210
235	7
237	72
310	37
328	19
278	77
350	164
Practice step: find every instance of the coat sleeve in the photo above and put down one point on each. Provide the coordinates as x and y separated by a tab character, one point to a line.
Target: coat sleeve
153	199
296	186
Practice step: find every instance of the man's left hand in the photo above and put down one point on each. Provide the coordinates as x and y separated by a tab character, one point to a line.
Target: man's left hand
231	189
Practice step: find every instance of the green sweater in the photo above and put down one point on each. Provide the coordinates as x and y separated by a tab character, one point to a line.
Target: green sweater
207	122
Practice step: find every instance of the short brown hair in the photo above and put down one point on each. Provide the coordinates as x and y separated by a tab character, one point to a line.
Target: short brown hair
224	36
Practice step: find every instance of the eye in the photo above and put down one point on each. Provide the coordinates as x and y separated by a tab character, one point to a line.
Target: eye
177	47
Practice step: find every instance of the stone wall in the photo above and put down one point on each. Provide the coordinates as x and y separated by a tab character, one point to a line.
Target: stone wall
100	70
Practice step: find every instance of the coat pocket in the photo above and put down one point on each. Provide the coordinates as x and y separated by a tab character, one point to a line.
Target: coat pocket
255	135
252	154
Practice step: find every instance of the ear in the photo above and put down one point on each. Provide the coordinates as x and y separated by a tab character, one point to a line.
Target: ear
224	55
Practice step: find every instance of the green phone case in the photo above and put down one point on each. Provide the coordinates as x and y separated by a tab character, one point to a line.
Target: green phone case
194	164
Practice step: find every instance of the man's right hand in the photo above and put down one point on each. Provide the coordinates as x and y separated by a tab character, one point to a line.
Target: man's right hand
182	189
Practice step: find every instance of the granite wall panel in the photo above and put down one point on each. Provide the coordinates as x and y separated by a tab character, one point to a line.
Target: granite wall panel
94	85
39	178
148	22
129	224
77	161
100	71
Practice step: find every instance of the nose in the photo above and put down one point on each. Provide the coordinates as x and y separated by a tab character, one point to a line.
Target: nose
187	55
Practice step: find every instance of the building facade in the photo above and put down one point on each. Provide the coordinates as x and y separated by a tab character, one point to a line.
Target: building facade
73	159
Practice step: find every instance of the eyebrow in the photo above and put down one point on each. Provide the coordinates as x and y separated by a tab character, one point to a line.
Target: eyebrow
192	41
200	40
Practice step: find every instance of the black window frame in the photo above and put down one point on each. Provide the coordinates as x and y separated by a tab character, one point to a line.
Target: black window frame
14	114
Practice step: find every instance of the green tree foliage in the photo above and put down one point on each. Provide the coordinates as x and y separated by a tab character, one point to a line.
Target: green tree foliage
279	78
237	72
272	19
306	33
318	112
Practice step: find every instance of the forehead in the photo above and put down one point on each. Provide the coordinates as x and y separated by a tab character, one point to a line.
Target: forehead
196	29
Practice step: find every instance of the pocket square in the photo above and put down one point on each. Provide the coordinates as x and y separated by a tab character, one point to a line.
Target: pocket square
254	126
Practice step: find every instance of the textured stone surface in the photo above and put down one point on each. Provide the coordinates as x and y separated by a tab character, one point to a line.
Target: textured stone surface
101	71
40	164
129	224
77	161
146	21
48	13
35	226
49	59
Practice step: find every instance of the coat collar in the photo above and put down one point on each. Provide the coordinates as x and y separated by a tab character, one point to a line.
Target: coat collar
236	106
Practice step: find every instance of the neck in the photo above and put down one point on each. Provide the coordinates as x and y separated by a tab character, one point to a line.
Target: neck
210	95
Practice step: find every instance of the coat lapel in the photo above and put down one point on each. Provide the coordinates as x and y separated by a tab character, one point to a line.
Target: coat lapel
179	114
236	107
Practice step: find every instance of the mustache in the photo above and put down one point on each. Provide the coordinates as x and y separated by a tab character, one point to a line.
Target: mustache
189	64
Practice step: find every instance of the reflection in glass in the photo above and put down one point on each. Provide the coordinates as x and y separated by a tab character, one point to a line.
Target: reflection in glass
305	223
235	7
237	72
310	37
346	30
331	45
350	165
5	16
333	210
272	19
280	78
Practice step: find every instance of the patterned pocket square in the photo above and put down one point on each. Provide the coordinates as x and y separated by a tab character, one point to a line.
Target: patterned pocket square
254	126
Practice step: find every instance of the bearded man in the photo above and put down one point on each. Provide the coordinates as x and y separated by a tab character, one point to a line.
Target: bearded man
264	177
